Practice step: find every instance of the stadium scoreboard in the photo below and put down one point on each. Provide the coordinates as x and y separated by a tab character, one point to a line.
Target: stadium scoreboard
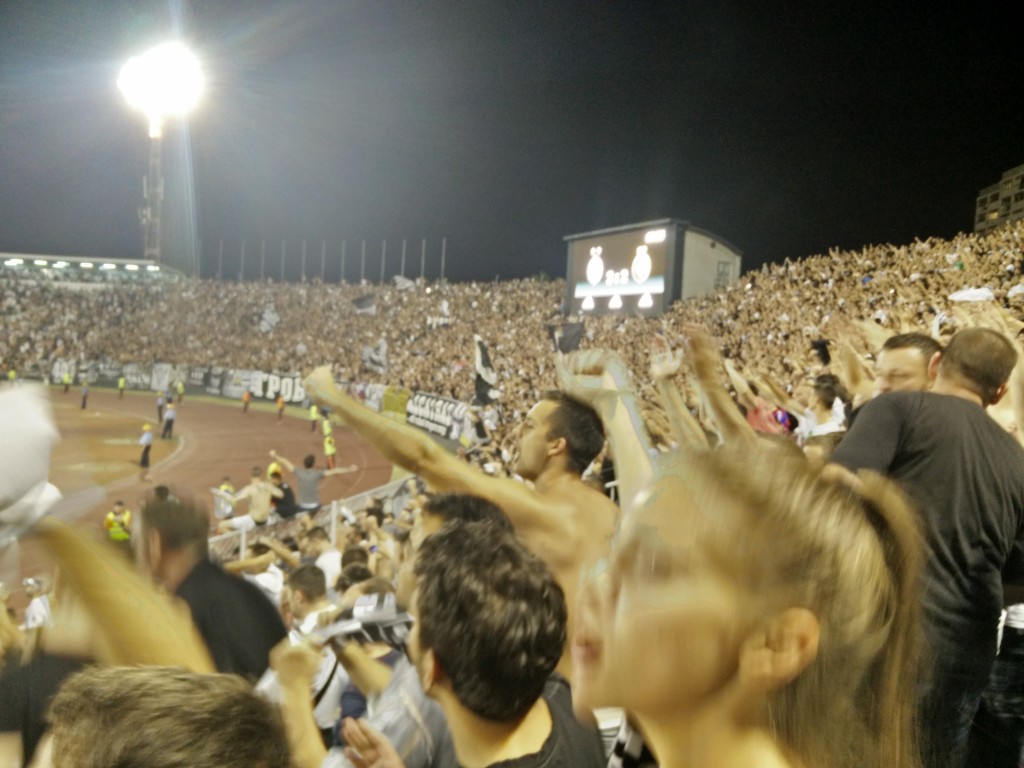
640	269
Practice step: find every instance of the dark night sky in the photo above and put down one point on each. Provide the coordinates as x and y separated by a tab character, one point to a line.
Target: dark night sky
505	126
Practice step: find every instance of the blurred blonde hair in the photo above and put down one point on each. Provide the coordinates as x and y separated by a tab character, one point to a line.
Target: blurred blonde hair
853	558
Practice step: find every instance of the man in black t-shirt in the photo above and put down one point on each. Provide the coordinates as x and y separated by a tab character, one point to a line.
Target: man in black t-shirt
492	675
966	475
285	505
237	622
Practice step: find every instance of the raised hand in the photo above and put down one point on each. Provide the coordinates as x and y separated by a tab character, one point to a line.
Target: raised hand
320	384
664	362
368	748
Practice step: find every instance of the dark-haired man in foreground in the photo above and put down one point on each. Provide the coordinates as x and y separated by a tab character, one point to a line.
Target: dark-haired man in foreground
560	518
491	674
410	725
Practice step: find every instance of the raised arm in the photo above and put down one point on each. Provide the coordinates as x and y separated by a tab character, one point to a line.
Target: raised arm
399	443
295	666
250	564
341	470
416	452
282	461
366	673
166	636
705	361
743	391
685	428
1016	385
240	495
600	378
291	559
854	374
781	399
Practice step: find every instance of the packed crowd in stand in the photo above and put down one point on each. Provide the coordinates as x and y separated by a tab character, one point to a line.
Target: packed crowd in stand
772	525
766	322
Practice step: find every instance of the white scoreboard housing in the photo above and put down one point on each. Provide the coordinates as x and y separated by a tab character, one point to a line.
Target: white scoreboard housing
642	268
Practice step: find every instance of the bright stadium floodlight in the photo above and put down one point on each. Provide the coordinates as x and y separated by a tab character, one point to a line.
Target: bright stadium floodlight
132	267
163	82
152	268
108	266
86	265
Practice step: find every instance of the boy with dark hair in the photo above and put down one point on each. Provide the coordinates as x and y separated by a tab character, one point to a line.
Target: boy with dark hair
490	628
493	673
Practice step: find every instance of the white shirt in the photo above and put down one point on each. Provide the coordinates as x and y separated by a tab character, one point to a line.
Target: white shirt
270	582
328	682
38	612
330	563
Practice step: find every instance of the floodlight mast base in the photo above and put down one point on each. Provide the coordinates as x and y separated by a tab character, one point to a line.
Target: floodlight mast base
153	195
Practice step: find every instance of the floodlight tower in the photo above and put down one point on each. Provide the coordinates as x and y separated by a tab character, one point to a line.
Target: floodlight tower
166	81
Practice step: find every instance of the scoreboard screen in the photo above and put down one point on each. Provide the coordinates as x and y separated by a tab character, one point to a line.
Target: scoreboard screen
620	272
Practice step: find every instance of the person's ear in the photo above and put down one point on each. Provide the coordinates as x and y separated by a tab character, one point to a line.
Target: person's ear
933	365
558	446
430	671
779	650
1003	389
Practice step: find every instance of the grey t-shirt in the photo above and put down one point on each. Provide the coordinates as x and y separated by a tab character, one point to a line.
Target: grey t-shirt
308	483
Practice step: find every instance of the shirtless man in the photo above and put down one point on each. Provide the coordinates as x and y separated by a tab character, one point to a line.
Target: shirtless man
561	519
259	493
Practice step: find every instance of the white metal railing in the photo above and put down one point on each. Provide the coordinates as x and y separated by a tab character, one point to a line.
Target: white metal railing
234	544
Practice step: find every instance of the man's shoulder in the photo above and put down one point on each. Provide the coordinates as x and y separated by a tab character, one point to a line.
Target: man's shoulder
576	491
332	555
899	401
574	497
571	742
920	408
207	582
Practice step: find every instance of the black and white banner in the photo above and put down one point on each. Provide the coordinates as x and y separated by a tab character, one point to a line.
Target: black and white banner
486	378
435	414
161	377
376	358
264	386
